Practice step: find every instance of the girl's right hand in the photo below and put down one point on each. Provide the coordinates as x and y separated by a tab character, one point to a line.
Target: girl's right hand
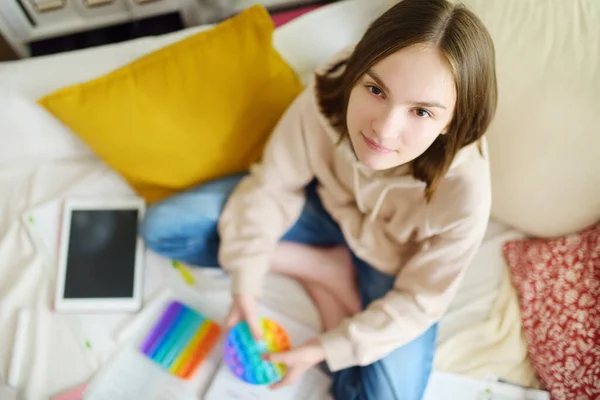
244	307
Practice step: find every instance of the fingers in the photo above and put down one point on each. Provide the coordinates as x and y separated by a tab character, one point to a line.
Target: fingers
234	317
290	377
288	358
278	358
244	308
249	308
254	328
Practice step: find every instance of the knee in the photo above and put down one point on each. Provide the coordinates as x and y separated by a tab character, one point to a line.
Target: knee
170	224
178	234
152	227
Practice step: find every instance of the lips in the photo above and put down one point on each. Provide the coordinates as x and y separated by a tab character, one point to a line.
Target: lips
375	147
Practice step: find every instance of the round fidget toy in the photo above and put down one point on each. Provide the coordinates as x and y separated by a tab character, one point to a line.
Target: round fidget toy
243	352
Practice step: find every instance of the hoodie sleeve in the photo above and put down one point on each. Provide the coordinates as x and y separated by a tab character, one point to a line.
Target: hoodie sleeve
267	202
422	292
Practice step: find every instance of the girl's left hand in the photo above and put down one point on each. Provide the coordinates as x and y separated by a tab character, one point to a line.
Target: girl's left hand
297	361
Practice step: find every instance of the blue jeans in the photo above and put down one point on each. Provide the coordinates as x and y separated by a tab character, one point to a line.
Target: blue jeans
184	227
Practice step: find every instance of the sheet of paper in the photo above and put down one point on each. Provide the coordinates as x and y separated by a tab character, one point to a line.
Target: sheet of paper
451	386
71	394
8	393
127	376
131	375
313	385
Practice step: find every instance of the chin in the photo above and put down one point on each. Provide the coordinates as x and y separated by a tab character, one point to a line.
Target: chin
376	163
373	160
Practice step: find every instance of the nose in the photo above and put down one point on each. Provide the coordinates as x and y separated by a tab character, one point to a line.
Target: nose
389	124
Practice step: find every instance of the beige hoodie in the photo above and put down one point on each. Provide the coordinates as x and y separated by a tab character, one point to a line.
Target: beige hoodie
383	215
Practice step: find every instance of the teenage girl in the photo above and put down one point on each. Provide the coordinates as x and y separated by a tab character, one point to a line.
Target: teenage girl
373	192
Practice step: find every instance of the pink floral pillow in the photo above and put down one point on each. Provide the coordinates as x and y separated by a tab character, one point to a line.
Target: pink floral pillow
558	282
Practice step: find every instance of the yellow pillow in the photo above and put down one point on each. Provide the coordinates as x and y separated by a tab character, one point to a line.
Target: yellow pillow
193	111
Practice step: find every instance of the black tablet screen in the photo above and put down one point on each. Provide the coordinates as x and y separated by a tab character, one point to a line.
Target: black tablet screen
101	254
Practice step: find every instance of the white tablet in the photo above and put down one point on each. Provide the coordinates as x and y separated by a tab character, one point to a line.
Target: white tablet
101	256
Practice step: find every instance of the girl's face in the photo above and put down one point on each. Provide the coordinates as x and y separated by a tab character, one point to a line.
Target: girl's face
400	106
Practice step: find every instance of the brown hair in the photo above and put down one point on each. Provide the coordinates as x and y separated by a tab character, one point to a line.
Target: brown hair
466	45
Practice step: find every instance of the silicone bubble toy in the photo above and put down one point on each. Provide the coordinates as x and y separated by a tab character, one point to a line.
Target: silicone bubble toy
181	339
242	353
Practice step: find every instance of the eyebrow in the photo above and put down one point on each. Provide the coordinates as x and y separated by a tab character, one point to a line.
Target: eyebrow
428	104
375	76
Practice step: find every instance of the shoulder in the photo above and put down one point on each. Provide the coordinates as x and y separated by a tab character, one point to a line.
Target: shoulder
464	197
304	123
322	103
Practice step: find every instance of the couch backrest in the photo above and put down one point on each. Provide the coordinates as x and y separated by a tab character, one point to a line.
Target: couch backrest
545	139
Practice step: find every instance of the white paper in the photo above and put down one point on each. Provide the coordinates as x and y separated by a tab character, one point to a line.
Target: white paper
451	386
131	375
313	385
211	375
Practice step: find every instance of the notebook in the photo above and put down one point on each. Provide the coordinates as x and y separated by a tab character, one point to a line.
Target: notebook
313	385
134	375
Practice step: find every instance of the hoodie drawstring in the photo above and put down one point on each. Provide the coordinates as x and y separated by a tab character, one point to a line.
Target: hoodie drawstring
359	199
379	203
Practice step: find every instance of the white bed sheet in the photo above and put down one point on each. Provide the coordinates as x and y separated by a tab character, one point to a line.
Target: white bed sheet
40	161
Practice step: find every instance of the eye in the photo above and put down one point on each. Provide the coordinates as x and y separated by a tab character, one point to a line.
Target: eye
374	90
422	113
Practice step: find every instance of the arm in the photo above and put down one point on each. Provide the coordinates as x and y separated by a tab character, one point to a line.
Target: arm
422	292
266	202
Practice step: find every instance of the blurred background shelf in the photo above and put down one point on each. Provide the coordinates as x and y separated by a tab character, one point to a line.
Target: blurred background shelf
274	5
30	28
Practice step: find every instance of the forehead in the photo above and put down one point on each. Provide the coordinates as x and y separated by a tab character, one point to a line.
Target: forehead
418	73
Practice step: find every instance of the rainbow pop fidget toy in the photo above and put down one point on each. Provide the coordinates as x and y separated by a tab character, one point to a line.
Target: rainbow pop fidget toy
181	340
243	352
